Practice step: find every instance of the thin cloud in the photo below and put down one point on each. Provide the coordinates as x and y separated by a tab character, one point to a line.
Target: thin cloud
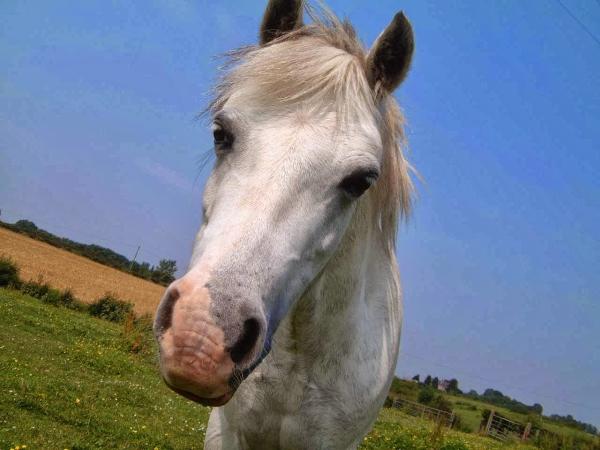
165	175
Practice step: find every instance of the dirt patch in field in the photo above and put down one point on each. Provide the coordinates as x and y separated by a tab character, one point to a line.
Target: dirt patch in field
87	279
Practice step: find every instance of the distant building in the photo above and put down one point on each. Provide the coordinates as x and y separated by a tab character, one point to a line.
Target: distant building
443	385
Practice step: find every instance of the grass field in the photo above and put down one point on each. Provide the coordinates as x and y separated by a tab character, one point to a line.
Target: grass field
470	412
68	380
87	279
395	430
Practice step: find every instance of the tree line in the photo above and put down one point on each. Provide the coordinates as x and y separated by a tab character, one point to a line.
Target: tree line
570	421
163	273
490	396
497	398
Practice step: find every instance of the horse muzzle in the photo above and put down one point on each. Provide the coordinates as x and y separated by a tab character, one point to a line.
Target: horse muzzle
206	348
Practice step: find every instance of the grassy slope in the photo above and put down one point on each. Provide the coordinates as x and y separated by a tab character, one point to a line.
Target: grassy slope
395	430
470	411
87	279
67	381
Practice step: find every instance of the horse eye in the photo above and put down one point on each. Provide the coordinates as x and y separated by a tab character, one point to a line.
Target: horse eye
222	138
358	182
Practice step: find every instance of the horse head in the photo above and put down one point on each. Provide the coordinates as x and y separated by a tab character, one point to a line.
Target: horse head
302	134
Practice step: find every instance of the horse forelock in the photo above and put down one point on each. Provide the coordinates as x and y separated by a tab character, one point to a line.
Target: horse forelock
319	64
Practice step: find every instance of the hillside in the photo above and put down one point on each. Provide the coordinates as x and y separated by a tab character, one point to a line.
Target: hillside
87	279
163	273
470	412
69	381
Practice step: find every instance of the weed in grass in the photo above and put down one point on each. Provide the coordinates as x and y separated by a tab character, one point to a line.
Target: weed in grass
436	439
9	273
110	308
137	334
36	289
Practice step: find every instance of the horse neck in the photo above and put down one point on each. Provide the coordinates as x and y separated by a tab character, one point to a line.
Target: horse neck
351	295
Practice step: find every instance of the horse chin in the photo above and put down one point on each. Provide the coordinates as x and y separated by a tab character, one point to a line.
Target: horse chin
216	401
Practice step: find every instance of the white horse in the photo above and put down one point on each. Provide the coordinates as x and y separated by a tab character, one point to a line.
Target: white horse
289	316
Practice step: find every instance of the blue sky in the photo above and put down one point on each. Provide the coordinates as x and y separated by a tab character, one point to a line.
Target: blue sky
500	262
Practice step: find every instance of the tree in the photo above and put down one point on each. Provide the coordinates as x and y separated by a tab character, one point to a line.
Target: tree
453	387
27	226
440	402
164	273
427	381
435	382
426	396
417	378
144	270
141	270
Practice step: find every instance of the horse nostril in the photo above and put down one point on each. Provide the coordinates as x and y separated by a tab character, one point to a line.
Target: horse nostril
246	341
164	315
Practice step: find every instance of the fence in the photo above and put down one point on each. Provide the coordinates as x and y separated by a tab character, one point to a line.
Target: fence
503	429
418	410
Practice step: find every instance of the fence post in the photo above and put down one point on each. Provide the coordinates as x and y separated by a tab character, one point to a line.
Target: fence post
451	420
526	431
488	426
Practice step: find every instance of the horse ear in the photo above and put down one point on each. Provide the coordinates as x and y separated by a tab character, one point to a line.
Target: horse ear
281	16
389	59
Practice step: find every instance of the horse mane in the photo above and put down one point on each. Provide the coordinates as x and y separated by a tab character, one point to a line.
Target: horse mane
321	61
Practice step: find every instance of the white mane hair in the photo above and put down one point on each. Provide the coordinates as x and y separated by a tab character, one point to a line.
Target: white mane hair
312	65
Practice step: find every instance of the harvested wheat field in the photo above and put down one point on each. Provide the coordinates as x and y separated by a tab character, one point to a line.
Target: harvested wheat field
87	279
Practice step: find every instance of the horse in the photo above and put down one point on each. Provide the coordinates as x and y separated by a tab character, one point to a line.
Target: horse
287	321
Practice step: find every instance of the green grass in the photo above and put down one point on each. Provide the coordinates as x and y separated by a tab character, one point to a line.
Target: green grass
398	431
470	411
69	381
